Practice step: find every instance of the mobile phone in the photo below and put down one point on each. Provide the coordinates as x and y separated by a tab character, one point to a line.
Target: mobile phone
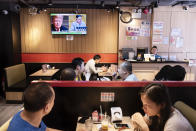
120	125
82	119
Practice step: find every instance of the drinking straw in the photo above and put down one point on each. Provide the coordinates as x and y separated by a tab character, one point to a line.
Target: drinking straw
101	111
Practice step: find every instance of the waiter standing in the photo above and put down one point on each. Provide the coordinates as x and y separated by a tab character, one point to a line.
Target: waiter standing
90	67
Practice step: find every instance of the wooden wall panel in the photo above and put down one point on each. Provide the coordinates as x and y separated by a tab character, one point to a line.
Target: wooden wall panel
102	35
164	17
176	17
141	40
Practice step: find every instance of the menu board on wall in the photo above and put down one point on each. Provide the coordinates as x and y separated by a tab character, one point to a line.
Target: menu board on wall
176	37
133	31
145	28
157	39
158	27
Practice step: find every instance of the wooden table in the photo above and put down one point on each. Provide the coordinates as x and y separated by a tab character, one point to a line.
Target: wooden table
50	72
47	75
105	74
96	127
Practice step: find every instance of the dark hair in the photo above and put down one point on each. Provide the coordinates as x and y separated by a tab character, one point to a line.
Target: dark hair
56	16
68	74
178	73
152	48
127	66
37	96
159	94
78	16
96	57
164	73
77	61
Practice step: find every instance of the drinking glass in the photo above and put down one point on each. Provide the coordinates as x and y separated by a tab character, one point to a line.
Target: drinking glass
89	124
105	123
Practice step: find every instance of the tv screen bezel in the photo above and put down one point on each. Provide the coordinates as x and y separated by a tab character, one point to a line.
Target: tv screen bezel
67	33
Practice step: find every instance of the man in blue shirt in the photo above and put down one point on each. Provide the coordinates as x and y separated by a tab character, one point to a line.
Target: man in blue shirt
154	51
38	101
125	72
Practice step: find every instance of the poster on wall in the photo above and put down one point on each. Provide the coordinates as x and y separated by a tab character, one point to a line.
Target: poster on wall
157	39
192	62
145	28
176	37
158	27
165	40
133	31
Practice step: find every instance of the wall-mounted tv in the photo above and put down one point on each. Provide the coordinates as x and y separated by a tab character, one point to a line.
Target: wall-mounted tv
68	23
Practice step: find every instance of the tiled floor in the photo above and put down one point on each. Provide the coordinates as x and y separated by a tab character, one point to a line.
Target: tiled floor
8	110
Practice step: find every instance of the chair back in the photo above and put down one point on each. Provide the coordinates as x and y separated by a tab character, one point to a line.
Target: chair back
188	112
15	74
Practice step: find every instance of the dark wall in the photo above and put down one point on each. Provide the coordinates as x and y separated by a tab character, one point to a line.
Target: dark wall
10	42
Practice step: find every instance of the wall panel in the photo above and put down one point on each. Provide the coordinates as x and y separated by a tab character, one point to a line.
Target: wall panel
102	35
176	17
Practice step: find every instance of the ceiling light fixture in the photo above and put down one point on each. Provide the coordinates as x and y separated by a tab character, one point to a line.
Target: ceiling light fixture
108	10
4	12
102	3
50	3
117	5
32	10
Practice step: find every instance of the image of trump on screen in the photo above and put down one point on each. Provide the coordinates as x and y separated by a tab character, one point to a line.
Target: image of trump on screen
57	23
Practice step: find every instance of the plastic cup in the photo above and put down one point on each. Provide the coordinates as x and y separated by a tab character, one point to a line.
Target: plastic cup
105	123
88	125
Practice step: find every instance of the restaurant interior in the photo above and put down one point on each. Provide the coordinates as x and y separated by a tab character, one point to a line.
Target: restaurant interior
117	30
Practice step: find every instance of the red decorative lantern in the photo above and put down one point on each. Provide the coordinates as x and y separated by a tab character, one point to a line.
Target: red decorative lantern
145	11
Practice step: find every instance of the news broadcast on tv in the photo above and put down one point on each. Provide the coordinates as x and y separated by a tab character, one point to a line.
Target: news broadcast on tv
68	23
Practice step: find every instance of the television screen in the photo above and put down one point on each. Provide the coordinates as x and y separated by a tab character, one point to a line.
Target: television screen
68	23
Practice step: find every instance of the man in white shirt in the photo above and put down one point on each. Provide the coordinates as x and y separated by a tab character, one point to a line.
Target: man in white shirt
125	72
90	67
78	25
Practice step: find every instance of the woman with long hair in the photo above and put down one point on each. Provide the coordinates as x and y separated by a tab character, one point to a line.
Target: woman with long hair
160	115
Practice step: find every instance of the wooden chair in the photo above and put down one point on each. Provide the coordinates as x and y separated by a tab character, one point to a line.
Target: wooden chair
15	83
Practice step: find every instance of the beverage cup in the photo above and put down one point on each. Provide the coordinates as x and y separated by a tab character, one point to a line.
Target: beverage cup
44	68
105	123
88	125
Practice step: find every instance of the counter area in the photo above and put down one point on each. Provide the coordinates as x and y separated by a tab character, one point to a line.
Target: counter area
147	70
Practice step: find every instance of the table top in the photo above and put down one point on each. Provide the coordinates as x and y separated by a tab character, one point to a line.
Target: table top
105	73
96	127
159	62
49	72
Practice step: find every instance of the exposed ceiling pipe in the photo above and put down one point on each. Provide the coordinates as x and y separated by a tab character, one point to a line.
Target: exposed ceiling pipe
193	5
26	3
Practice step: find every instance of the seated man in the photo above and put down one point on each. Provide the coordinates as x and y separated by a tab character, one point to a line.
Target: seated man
125	72
68	74
38	101
78	66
